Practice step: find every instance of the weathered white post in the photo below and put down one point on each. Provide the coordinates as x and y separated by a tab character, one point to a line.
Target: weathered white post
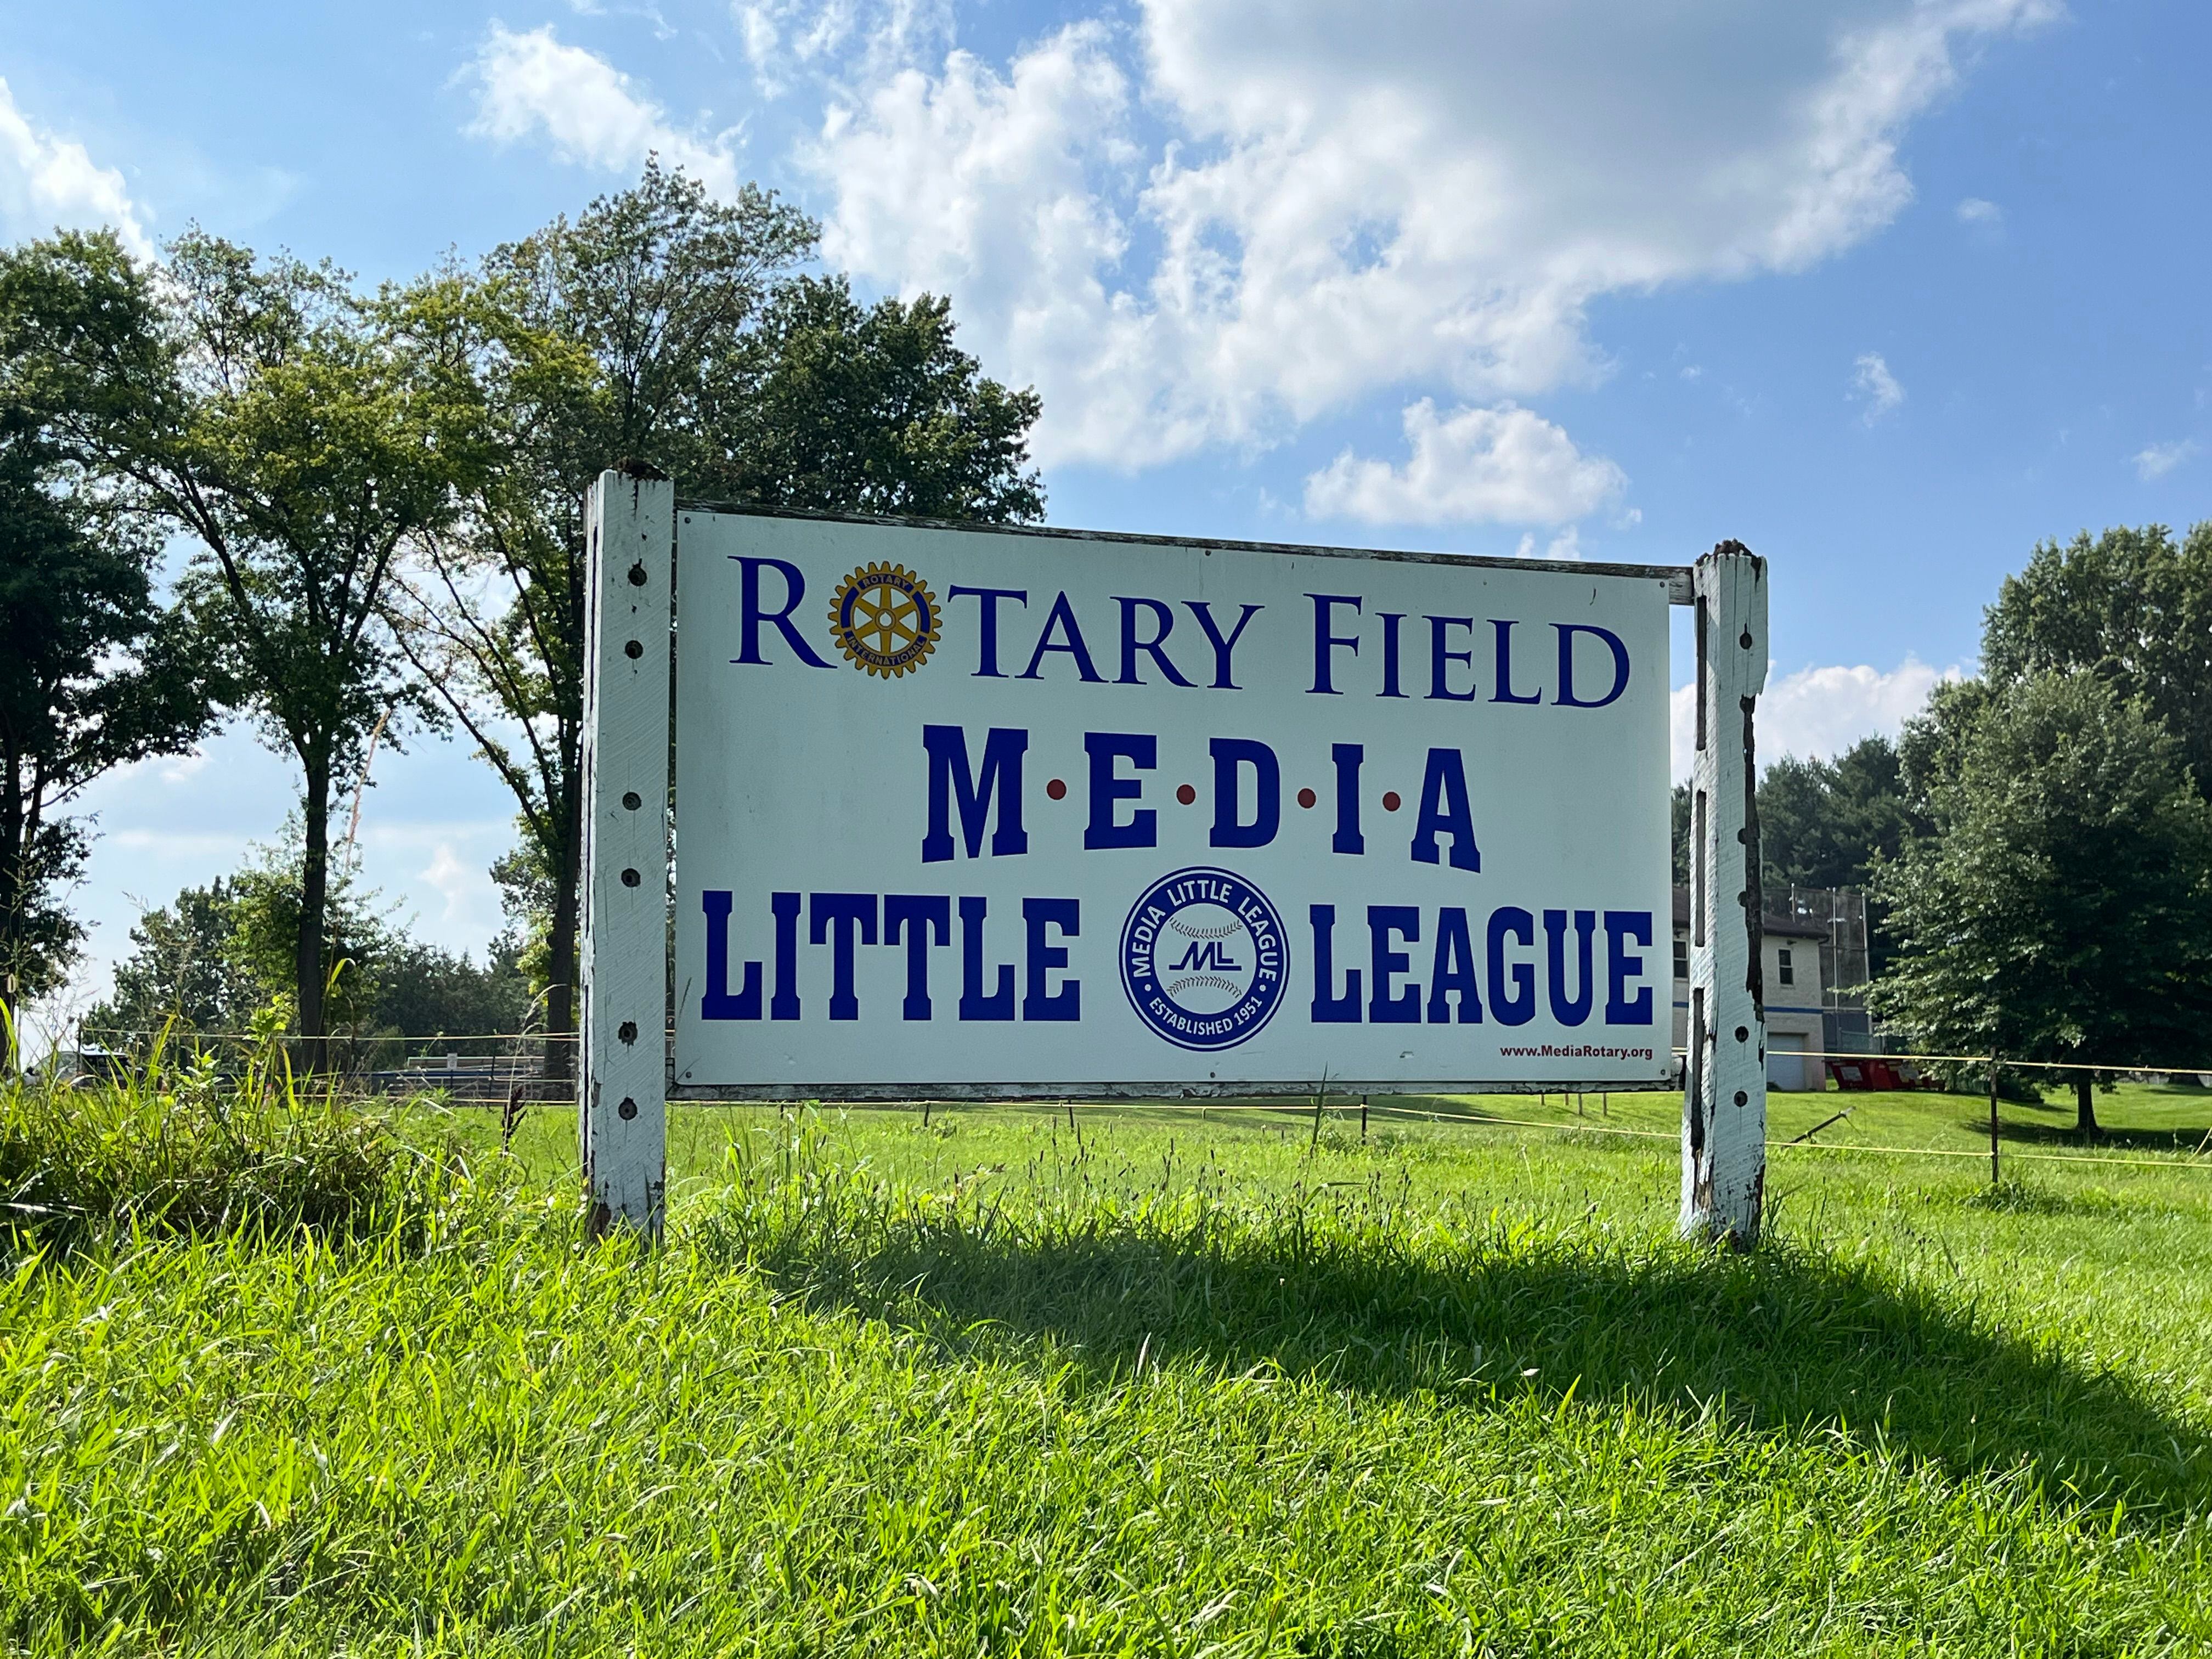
622	1083
1724	1093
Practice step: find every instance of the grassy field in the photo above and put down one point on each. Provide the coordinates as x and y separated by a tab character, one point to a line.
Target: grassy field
1147	1381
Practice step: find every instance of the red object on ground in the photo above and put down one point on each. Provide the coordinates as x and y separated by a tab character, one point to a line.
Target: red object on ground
1867	1071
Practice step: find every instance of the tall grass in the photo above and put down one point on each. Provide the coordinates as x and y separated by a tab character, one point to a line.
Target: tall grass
1004	1389
182	1148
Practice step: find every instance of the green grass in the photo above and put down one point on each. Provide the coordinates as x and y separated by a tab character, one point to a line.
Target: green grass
1163	1382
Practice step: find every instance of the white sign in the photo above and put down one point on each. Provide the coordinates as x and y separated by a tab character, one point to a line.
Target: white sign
1028	813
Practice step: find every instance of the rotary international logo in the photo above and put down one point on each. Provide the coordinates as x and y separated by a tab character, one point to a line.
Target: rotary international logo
885	620
1204	958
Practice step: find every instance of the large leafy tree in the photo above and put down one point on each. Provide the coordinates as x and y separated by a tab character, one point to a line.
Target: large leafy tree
2061	907
2133	607
299	432
94	671
181	970
875	410
1830	823
1824	823
665	326
1827	823
630	333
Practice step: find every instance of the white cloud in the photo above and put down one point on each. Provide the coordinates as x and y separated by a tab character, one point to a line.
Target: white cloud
1818	713
783	39
181	769
1871	380
48	183
1239	215
1504	463
457	883
2156	460
1973	210
590	112
1567	545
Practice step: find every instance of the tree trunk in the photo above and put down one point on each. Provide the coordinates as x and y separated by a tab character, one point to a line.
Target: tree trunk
315	900
561	967
2085	1109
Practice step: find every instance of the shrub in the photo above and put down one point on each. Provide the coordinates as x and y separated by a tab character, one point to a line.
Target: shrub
190	1152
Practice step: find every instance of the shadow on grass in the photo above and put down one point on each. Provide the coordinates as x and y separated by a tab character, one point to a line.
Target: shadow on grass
1340	1288
2180	1138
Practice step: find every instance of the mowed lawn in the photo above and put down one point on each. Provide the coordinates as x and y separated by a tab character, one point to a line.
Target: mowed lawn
1151	1381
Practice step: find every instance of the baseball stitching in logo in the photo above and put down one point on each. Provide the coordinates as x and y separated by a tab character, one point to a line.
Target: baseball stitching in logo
1204	958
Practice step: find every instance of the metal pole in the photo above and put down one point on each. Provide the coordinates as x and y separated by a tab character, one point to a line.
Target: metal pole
1725	1103
622	1083
1993	1117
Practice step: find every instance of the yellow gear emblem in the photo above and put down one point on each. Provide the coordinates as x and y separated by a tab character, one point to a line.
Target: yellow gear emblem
885	619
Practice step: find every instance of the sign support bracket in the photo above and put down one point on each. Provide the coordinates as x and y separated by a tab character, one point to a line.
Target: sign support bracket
629	530
1724	1093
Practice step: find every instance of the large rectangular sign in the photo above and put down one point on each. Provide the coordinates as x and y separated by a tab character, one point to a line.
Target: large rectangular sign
994	811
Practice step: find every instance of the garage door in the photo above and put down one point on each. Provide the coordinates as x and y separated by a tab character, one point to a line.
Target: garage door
1785	1066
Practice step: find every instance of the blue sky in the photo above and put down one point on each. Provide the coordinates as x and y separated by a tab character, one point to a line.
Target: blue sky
1887	290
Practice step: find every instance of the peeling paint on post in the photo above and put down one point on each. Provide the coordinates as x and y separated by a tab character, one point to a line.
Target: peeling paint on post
622	1085
1724	1098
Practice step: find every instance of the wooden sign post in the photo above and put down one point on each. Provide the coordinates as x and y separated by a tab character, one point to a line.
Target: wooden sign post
1724	1093
622	1083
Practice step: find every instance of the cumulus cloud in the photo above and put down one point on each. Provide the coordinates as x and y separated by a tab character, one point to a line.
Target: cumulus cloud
454	881
784	39
531	86
1500	464
1817	713
1567	545
2156	460
1871	380
1235	215
1973	210
48	183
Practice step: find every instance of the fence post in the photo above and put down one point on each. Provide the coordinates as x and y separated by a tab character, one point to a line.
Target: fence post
622	1083
1724	1094
1993	1117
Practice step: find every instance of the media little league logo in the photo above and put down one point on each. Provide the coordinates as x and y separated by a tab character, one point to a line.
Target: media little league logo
1204	958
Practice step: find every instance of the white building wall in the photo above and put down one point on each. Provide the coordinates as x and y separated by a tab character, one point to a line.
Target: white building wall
1793	1009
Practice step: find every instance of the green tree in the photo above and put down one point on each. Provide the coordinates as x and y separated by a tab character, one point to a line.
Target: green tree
2133	607
1830	824
94	671
875	410
2060	908
1932	748
1823	823
426	991
630	333
181	968
207	960
665	326
299	432
269	897
1827	823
